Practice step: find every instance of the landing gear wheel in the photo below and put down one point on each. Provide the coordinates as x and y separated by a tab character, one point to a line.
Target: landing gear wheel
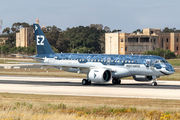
154	83
88	82
84	82
116	81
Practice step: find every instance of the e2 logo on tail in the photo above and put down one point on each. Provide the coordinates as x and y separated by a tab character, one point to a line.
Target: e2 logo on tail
40	40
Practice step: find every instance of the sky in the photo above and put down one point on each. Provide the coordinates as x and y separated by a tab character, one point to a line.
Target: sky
127	15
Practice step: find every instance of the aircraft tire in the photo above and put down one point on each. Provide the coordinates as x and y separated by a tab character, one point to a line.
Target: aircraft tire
114	81
154	83
118	81
88	82
84	82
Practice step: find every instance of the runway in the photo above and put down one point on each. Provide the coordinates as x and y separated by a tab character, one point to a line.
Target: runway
73	86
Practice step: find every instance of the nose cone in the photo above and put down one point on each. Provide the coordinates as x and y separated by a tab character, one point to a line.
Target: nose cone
170	69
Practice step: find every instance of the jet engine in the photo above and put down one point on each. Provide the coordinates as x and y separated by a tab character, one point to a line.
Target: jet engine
142	78
100	75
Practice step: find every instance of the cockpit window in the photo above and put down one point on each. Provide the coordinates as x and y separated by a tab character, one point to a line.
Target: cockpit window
160	61
157	61
163	61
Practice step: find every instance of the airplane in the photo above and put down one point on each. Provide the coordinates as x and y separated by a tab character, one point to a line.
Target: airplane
101	68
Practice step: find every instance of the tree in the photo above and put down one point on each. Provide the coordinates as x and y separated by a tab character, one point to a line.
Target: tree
52	34
11	40
168	30
116	31
138	31
161	52
107	29
98	26
82	39
16	26
62	44
6	30
54	49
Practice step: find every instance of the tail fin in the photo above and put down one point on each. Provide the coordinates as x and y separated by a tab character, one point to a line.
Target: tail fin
42	44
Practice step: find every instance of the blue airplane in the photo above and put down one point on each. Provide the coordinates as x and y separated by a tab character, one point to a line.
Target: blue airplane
101	67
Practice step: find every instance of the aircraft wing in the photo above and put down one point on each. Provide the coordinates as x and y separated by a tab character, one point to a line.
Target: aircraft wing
33	57
83	66
57	65
68	66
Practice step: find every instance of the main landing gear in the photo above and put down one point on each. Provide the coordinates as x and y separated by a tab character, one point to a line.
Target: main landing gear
86	82
116	81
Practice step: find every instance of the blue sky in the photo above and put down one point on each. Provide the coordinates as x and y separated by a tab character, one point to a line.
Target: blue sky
127	15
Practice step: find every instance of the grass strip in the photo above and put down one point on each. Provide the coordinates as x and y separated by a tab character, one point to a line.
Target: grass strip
27	106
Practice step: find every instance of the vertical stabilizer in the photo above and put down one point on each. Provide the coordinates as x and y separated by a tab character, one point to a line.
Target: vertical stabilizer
42	44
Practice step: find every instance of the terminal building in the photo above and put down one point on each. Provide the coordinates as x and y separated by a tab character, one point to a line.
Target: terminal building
137	43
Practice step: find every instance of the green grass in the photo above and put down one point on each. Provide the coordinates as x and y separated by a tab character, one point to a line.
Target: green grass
174	62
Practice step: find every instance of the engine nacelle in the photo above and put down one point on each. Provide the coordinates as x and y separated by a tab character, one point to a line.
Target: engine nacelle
100	75
142	78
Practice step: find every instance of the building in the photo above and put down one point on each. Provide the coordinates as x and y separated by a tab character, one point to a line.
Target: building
137	43
24	38
3	40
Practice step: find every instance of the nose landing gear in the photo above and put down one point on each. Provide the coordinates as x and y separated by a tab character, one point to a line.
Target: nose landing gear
154	83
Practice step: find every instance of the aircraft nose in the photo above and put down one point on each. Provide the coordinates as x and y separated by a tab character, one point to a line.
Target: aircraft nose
170	69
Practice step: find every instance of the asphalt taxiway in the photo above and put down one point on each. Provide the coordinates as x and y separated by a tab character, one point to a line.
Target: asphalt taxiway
73	86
